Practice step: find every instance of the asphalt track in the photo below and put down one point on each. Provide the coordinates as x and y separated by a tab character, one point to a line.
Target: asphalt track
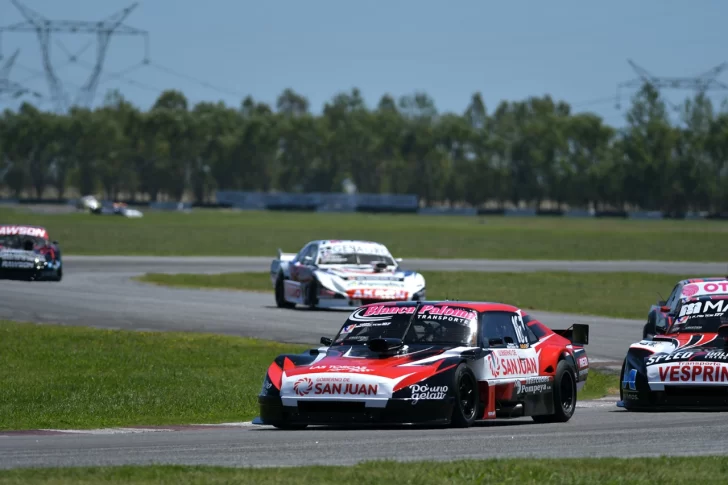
97	291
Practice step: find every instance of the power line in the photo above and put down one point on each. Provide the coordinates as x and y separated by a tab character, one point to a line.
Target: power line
701	83
171	71
103	30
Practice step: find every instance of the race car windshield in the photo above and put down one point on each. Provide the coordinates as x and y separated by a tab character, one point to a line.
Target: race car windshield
354	258
18	242
433	325
705	316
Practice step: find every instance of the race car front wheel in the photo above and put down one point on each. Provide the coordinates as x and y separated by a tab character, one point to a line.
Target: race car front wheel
564	396
467	404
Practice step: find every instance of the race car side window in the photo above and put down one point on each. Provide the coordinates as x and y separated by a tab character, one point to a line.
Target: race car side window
302	253
498	330
311	253
532	338
674	296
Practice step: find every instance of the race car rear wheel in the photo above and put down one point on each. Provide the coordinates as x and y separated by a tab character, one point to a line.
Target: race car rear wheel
280	299
465	388
564	396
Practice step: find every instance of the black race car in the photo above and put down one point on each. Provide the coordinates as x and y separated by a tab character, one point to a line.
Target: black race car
26	253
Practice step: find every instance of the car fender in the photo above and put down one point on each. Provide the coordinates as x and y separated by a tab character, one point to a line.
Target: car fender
283	362
279	266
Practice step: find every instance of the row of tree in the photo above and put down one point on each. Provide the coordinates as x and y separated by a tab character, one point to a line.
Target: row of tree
531	151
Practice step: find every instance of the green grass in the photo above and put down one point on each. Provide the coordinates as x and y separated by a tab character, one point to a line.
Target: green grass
249	233
574	471
620	295
75	377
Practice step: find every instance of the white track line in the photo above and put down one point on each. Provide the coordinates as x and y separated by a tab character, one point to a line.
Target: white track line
108	430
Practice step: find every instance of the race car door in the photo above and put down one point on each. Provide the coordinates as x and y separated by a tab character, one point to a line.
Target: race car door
512	357
301	274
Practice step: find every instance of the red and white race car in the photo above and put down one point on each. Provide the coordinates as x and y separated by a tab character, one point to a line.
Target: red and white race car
445	362
329	274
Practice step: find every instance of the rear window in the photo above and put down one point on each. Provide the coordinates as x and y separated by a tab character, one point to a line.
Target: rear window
702	315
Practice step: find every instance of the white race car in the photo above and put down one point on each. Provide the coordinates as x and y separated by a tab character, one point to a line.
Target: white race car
349	274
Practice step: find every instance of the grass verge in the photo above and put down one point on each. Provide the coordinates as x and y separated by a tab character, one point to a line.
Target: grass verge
620	295
577	471
252	233
74	377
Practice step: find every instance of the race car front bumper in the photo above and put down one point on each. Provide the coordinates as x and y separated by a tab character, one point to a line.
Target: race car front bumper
27	274
678	398
341	412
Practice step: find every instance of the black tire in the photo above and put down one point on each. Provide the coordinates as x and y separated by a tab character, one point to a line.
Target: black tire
311	297
564	396
467	403
59	275
621	380
280	301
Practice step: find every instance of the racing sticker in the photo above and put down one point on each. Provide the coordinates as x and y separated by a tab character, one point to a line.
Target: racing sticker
17	264
699	289
379	293
704	308
507	363
424	392
674	357
694	371
533	385
355	247
22	231
328	384
520	326
342	368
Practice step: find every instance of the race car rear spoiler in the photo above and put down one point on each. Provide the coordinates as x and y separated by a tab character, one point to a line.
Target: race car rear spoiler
285	256
578	334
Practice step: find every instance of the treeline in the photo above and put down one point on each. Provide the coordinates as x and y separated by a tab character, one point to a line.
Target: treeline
533	151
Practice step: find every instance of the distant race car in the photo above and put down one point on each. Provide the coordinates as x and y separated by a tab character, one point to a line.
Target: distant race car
658	312
684	364
27	254
329	274
90	204
446	362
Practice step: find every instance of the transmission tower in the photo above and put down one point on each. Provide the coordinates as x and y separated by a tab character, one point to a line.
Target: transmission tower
700	84
9	87
103	30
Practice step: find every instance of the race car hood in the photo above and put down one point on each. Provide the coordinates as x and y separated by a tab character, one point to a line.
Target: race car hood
355	373
686	359
369	283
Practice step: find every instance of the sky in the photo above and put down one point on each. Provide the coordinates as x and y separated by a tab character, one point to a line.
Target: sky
224	50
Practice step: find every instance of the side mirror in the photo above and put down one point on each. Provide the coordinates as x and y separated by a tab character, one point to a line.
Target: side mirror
307	259
494	342
665	308
326	341
384	344
580	334
55	243
398	260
